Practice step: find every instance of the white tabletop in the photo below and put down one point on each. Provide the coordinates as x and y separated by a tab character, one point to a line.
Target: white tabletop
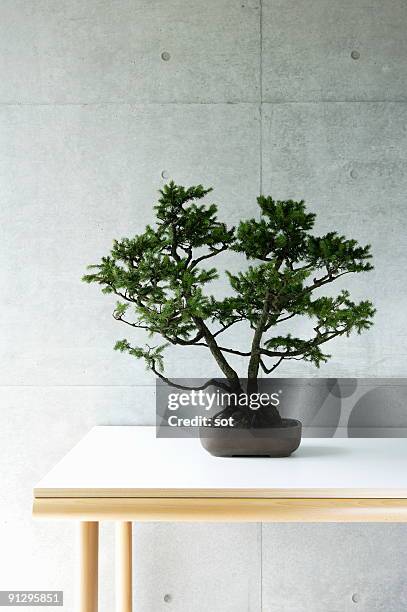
131	462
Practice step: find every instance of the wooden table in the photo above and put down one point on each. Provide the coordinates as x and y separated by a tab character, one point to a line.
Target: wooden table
125	474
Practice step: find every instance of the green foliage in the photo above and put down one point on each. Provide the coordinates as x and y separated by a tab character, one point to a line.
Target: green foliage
153	355
162	276
335	317
281	231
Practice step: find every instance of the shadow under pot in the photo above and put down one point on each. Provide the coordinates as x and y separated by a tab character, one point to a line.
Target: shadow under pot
277	441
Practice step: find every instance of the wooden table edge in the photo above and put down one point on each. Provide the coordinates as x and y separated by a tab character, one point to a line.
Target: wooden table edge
226	509
333	493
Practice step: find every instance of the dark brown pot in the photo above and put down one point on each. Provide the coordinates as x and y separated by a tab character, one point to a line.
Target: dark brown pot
278	441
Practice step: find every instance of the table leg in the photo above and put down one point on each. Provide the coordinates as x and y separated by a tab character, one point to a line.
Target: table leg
89	554
124	591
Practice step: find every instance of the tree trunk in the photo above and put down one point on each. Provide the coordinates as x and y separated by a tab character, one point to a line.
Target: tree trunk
227	370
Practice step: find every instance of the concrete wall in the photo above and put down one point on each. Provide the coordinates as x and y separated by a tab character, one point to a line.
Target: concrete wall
253	95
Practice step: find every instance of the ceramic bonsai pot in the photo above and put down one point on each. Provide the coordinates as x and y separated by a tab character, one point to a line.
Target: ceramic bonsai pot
277	441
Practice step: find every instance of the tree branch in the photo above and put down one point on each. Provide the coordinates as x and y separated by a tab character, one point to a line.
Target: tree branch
290	316
324	280
269	370
168	381
120	294
220	331
196	261
228	371
254	361
137	325
224	349
290	354
193	341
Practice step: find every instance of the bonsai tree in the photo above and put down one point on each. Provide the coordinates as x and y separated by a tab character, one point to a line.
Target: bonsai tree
161	277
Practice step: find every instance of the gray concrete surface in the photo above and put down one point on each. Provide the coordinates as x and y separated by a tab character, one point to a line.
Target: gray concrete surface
333	568
97	100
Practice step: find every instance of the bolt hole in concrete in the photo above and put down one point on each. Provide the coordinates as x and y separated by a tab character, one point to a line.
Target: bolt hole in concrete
355	55
164	174
167	598
355	598
354	174
165	56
